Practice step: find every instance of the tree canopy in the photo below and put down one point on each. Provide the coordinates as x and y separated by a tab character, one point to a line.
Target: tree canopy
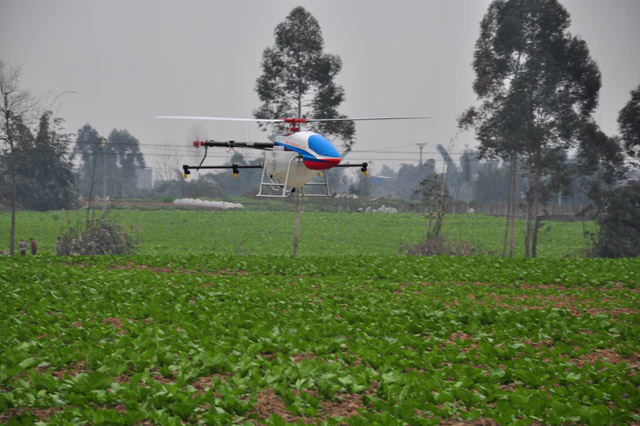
629	124
298	77
123	157
43	170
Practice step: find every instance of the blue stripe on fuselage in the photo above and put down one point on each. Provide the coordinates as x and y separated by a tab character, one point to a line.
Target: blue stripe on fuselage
305	154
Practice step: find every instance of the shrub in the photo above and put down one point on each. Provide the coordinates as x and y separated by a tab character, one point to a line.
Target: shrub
441	245
100	237
618	214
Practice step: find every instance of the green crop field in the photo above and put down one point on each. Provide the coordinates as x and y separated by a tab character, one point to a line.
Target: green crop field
355	340
271	232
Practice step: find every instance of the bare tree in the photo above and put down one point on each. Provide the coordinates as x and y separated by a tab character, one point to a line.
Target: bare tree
168	166
15	107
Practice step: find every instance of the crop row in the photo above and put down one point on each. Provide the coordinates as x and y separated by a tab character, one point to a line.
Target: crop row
360	340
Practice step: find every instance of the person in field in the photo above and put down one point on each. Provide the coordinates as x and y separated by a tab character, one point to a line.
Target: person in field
22	246
34	246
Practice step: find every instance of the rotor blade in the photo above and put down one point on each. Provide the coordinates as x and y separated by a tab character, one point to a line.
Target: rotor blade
188	117
315	120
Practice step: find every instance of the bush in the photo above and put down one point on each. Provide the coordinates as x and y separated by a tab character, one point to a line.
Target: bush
101	237
440	245
618	214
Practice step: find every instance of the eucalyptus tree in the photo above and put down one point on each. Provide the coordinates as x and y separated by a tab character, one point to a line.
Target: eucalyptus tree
121	151
87	147
298	78
538	87
629	125
126	149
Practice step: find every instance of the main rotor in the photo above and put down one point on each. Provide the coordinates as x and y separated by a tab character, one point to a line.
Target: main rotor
293	123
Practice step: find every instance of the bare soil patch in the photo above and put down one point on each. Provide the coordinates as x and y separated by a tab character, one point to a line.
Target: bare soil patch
477	422
43	414
607	355
204	382
342	405
72	370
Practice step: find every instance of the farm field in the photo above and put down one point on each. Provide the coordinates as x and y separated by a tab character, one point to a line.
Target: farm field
271	232
355	340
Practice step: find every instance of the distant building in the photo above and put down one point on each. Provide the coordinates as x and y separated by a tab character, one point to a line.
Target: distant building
144	178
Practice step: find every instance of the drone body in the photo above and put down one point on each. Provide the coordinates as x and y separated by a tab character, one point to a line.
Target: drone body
297	158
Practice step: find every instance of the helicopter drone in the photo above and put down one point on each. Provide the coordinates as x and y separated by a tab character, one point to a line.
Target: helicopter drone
291	160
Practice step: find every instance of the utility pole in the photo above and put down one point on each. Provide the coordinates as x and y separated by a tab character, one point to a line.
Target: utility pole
421	147
103	142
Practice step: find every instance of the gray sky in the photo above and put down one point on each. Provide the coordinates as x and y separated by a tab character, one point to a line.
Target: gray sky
127	61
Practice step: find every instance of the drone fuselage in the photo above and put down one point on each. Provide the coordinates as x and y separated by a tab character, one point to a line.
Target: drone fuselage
316	151
298	157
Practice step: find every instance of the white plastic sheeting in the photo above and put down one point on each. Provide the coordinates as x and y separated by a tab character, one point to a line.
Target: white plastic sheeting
222	205
382	209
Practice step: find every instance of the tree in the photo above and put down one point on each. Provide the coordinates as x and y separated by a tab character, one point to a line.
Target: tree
15	107
434	195
538	87
361	186
87	146
126	150
492	185
44	178
297	78
246	183
629	125
123	157
618	217
465	165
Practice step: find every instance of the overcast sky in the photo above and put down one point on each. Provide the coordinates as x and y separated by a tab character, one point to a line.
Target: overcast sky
127	61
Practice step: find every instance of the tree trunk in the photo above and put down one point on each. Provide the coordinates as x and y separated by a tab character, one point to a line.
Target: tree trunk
297	230
104	184
528	213
93	180
514	160
299	101
536	223
13	202
534	245
508	215
509	229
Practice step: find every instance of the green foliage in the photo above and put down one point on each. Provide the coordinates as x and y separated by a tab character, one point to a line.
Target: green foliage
538	86
44	179
123	157
388	340
126	150
246	184
269	230
433	193
362	186
297	74
87	147
492	184
618	214
439	245
629	122
183	188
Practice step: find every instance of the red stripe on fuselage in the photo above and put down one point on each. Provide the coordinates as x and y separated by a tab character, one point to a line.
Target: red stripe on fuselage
322	164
